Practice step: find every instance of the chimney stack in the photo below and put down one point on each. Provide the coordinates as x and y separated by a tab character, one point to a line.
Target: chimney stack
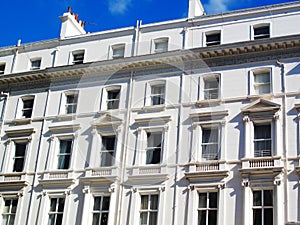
71	25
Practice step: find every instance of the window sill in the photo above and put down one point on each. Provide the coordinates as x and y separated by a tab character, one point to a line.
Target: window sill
154	108
21	121
211	102
256	96
66	116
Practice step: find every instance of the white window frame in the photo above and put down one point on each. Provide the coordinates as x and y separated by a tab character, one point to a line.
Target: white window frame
107	151
21	109
210	127
33	63
118	51
56	212
154	148
2	68
258	71
150	95
76	53
263	207
263	122
10	214
19	157
207	209
161	45
253	27
104	99
65	104
212	32
149	210
59	154
101	211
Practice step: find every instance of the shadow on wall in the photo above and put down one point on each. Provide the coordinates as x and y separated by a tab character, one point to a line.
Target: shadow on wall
294	71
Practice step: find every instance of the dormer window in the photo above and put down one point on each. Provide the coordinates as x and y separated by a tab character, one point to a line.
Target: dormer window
78	57
213	38
35	64
2	68
161	45
261	31
118	51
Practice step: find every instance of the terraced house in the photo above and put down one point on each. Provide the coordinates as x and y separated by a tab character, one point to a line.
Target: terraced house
192	121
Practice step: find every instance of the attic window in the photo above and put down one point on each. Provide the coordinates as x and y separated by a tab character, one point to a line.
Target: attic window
118	51
2	68
35	64
161	45
261	31
213	38
78	57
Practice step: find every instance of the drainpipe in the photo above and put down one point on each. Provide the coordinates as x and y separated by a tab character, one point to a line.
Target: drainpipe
125	149
284	137
174	220
34	180
3	113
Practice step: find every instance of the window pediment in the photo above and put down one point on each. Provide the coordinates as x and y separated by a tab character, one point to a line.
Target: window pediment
153	120
261	106
107	120
19	132
64	128
209	115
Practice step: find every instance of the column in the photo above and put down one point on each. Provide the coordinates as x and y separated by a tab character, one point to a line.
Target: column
247	150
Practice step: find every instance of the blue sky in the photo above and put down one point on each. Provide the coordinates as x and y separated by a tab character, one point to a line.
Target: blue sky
35	20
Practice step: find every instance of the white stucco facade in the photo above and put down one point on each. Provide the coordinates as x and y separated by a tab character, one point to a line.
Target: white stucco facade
191	121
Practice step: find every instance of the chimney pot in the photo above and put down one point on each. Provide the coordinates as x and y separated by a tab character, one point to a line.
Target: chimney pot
69	9
76	17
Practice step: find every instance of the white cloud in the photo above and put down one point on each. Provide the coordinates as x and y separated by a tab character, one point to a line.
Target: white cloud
118	6
217	6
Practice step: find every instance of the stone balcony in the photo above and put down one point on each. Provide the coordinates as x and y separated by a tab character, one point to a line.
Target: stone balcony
211	170
12	181
261	165
101	174
148	173
57	178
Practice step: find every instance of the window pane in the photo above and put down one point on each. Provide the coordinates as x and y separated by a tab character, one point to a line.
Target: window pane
153	156
105	205
262	131
213	200
107	158
14	206
18	165
96	218
257	198
20	149
51	220
53	205
202	217
154	202
153	218
5	219
212	217
63	162
257	217
104	219
202	200
268	198
144	202
65	146
97	202
143	218
268	216
61	203
108	142
59	219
